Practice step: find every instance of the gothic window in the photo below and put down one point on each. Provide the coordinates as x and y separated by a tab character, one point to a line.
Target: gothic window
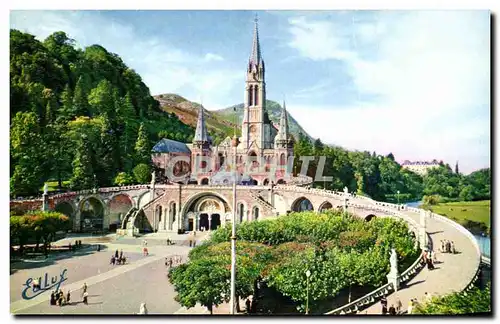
250	96
256	98
282	159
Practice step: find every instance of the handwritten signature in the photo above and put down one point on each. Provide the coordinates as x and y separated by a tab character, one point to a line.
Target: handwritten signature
30	291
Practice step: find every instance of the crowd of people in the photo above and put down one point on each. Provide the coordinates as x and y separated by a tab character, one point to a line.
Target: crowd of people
448	246
173	261
118	258
57	298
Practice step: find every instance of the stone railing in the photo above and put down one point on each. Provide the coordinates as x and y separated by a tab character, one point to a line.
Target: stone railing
373	297
264	203
464	231
485	260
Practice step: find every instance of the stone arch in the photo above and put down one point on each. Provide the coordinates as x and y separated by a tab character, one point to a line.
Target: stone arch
143	199
204	181
158	217
325	206
253	182
256	97
92	214
255	213
265	182
370	217
302	204
118	206
65	207
141	222
199	205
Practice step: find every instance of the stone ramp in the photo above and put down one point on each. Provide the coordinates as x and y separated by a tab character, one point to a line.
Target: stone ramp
453	272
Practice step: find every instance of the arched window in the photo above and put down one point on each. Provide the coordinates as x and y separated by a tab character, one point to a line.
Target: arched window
250	96
241	212
256	97
255	213
282	159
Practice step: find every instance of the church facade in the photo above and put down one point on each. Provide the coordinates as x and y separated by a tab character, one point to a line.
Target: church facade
262	152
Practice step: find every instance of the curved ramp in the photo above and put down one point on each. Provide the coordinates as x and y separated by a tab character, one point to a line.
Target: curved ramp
452	273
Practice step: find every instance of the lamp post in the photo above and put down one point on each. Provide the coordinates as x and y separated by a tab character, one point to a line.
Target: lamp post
308	274
235	143
398	197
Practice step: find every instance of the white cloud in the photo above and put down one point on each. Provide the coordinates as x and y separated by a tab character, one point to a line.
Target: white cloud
163	66
430	72
213	57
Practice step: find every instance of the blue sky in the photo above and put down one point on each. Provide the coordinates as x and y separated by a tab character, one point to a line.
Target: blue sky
414	83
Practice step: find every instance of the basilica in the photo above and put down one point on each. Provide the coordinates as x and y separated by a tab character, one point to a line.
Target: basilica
261	154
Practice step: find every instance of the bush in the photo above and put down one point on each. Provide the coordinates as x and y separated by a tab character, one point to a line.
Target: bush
123	179
142	173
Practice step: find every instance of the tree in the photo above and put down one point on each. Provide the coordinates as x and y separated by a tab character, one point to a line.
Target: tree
83	171
142	146
27	150
123	179
456	168
142	173
101	99
194	284
470	302
66	111
81	105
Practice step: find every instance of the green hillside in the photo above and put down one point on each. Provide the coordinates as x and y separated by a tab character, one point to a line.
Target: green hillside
78	114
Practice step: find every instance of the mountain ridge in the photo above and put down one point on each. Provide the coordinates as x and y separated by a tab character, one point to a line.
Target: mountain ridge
221	123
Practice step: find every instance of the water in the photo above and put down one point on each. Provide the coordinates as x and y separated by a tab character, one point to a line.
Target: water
484	245
483	241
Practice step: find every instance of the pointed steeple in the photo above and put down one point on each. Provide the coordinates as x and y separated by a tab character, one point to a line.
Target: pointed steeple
283	137
255	58
201	135
284	121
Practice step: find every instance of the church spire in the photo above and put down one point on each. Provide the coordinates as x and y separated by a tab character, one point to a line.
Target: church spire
201	135
283	138
255	58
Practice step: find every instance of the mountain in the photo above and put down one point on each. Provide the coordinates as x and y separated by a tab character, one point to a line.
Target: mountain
273	109
221	122
187	112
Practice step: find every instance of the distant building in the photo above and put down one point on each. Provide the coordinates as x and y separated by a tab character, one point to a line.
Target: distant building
420	167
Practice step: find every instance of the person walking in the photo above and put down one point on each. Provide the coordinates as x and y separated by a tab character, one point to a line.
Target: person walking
116	254
383	303
53	298
113	260
452	247
86	298
392	310
410	306
36	284
121	254
399	306
143	309
84	288
68	297
448	246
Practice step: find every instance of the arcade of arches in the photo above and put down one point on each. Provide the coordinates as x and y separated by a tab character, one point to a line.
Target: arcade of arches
91	215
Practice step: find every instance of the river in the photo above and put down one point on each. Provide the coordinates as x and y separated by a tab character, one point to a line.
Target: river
483	241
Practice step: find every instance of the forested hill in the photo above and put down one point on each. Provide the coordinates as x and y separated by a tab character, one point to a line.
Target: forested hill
78	114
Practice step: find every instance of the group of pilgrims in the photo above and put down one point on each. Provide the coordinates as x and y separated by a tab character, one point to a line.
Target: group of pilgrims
57	298
118	258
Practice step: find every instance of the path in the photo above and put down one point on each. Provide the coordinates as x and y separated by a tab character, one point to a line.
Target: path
453	272
124	280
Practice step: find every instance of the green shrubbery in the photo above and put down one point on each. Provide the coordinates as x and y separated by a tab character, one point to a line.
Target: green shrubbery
339	252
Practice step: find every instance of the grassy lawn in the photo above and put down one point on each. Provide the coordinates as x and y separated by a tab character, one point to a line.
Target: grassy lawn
464	211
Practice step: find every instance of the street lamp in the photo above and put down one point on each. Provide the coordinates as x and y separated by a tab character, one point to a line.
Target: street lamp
398	197
308	274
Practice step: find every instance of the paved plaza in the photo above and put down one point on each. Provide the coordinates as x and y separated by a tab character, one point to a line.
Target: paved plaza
118	289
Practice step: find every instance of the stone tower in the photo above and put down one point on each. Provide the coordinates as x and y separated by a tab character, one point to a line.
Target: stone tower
256	127
283	142
202	145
